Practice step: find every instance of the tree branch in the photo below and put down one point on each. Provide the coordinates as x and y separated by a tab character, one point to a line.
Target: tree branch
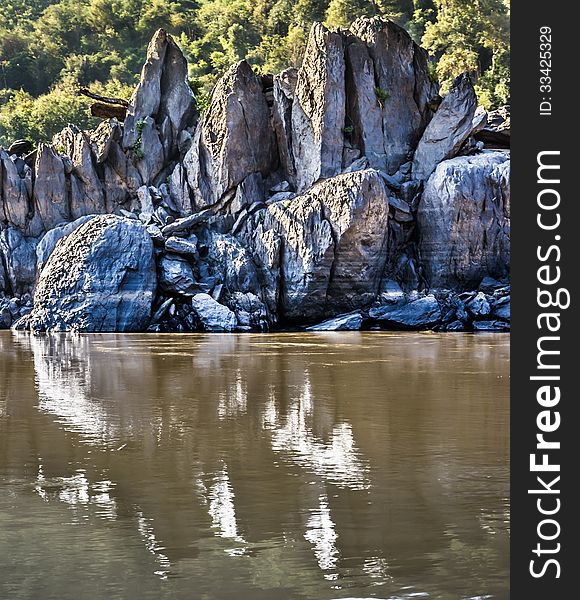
104	99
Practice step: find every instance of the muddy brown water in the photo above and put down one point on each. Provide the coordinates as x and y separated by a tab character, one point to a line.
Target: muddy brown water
258	467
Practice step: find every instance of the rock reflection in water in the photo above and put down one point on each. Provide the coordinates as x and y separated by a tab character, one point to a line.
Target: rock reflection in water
316	465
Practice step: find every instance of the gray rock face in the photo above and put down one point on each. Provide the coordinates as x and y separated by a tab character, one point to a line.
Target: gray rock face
318	109
3	279
389	91
233	139
291	201
179	190
418	314
349	322
333	247
50	238
17	254
449	128
101	277
87	194
15	192
51	201
283	96
233	265
464	221
162	105
213	315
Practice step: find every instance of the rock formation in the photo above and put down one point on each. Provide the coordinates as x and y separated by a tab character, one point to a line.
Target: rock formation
343	195
233	140
100	277
449	128
464	221
333	248
390	93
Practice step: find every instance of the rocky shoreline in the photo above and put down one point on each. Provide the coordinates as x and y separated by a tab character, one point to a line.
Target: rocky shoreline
343	195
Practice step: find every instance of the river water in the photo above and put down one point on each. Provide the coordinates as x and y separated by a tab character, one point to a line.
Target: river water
254	467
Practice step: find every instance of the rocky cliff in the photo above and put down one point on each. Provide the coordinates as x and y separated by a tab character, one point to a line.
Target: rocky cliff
345	194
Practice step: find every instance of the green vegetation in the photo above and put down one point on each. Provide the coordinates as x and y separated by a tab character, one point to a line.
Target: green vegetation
382	96
138	145
470	36
48	48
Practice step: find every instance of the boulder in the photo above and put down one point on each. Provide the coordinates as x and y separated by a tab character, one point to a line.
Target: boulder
176	276
422	313
389	92
186	223
233	139
187	246
318	108
464	221
478	306
348	322
50	238
333	245
496	133
490	325
502	309
452	124
101	277
212	315
250	311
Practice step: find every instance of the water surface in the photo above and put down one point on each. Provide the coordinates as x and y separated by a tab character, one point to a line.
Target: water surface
250	467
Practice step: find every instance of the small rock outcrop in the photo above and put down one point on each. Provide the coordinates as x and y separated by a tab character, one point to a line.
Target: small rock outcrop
213	315
347	322
422	313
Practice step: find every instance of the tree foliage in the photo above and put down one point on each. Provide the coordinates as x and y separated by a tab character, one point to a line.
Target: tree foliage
50	47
